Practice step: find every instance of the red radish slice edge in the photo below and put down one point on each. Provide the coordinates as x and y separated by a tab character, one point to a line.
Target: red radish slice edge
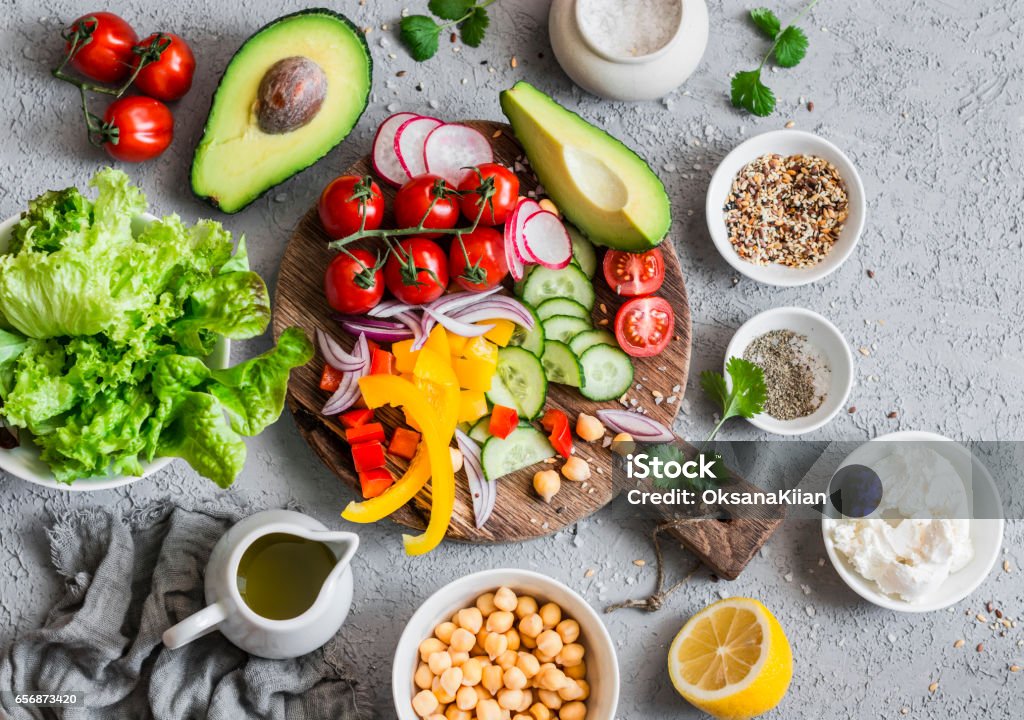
547	240
526	209
409	141
515	265
451	149
384	160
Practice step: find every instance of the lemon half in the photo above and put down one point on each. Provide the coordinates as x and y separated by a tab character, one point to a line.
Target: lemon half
732	660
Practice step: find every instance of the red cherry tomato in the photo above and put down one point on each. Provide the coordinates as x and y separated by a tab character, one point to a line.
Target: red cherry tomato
346	200
485	251
169	77
105	51
351	284
137	128
413	204
644	325
633	274
427	281
499	205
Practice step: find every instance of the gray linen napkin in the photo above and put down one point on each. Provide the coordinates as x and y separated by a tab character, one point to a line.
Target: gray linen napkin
127	580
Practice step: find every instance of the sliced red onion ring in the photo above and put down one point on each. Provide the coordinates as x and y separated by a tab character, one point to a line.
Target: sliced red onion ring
484	492
497	308
334	355
386	331
389	308
458	327
456	301
640	427
348	390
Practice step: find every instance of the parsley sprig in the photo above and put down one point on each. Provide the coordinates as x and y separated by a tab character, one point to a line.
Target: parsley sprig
421	33
789	47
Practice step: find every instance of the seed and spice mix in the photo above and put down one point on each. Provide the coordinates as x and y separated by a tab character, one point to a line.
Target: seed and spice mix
786	210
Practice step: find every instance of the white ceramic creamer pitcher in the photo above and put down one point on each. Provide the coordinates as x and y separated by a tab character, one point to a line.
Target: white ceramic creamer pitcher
228	612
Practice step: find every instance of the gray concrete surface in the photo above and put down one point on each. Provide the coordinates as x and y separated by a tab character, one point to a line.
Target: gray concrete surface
925	96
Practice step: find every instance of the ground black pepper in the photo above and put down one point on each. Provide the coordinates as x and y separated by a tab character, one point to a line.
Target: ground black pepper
794	373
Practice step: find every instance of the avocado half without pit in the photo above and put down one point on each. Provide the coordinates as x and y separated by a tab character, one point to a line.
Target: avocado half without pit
291	93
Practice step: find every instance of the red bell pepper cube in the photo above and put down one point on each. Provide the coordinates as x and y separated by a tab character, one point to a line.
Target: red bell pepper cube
368	456
330	379
370	432
375	482
356	418
503	421
404	443
557	424
382	362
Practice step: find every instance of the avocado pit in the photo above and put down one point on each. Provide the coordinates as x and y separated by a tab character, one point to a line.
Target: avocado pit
290	95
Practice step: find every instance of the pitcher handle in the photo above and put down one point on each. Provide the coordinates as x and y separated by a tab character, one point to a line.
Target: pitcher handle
195	626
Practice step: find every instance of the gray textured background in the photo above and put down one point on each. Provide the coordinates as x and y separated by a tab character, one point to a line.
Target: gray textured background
926	97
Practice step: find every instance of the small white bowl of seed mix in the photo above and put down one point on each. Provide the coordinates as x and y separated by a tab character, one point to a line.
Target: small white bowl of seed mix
786	208
807	364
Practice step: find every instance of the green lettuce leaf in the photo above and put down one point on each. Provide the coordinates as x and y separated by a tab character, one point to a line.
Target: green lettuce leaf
50	219
236	305
40	392
199	433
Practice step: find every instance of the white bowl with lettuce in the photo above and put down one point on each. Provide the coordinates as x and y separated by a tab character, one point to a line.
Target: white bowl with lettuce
114	342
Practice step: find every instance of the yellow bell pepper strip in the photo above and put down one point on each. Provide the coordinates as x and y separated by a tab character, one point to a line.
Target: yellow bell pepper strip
472	405
455	344
475	374
405	356
482	349
437	341
434	376
501	333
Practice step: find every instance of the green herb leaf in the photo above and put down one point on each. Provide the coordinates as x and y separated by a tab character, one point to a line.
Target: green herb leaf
668	452
475	27
749	93
450	9
420	35
791	47
747	395
766	21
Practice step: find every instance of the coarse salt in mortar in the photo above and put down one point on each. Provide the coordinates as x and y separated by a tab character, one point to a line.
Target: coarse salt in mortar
630	29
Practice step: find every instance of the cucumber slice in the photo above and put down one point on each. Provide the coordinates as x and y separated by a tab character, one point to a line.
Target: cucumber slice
560	364
564	328
524	446
518	285
532	340
607	372
521	376
562	306
481	430
588	339
583	253
569	282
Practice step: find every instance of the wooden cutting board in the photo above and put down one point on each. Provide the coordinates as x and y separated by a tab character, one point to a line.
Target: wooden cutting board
519	514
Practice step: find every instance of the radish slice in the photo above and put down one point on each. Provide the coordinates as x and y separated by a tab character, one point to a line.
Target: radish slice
515	265
547	240
409	143
385	161
451	150
524	211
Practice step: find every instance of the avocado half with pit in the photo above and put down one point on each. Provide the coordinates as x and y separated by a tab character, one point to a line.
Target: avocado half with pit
602	186
292	92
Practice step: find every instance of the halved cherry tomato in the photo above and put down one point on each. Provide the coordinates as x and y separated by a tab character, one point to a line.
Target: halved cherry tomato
503	421
634	274
643	326
353	283
169	77
374	482
429	200
557	424
484	248
344	203
105	52
330	379
416	272
404	443
368	455
355	418
382	362
137	128
370	432
501	202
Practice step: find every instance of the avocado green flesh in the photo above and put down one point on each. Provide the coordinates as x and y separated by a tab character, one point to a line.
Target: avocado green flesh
236	162
602	186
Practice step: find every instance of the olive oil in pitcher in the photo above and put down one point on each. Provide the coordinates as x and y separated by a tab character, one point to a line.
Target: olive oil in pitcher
280	575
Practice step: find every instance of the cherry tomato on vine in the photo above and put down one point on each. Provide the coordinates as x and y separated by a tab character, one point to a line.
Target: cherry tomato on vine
485	252
632	274
413	204
500	204
644	325
137	128
170	76
345	201
416	271
353	283
105	48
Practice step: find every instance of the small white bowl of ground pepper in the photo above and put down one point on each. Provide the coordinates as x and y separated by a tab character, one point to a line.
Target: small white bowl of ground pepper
807	364
786	208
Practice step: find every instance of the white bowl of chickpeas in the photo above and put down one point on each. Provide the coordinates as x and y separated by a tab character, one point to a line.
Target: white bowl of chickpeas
505	644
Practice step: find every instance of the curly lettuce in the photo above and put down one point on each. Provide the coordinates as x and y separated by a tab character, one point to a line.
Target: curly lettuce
105	324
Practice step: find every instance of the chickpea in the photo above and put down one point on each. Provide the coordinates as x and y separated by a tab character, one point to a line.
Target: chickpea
576	469
520	716
623	444
507	660
462	640
551	614
573	711
589	428
528	664
531	626
457	459
527	701
546	484
423	677
568	630
505	599
552	679
470	619
550	699
525	605
443	697
458	658
527	642
495	645
492	679
500	621
488	710
585	687
514	678
451	681
439	662
481	636
453	713
514	641
485	603
424	703
443	632
436	716
549	643
539	711
577	672
430	646
572	654
472	671
482	693
544	659
509	699
571	691
466	698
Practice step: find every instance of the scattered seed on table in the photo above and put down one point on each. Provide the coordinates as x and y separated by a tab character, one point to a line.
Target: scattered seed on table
933	687
810	106
852	409
980	647
1015	668
892	415
863	350
871	274
1006	566
958	644
981	618
639	563
513	62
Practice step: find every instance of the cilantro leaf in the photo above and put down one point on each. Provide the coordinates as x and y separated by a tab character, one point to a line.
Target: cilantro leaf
450	9
747	395
420	34
668	452
473	29
766	21
749	93
791	47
